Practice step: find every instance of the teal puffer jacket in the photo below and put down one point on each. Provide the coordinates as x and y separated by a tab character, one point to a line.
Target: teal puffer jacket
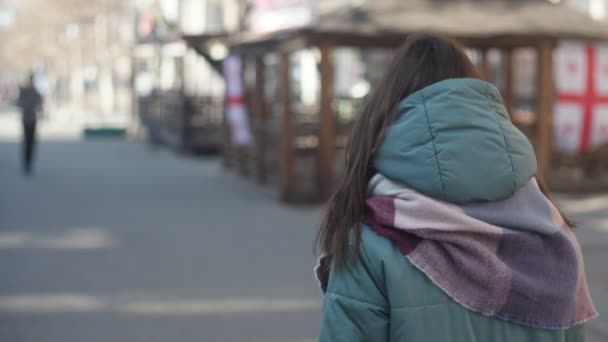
385	298
453	141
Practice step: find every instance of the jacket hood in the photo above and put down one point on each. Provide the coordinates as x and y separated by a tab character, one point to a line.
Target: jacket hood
454	141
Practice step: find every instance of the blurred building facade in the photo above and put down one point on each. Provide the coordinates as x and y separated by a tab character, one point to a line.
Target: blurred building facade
179	92
159	62
80	52
291	59
597	9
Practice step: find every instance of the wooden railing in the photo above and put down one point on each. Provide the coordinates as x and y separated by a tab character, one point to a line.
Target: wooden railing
183	123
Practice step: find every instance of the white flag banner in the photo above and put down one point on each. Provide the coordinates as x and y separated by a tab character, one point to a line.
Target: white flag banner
601	70
581	111
568	122
570	68
239	125
236	111
233	73
599	132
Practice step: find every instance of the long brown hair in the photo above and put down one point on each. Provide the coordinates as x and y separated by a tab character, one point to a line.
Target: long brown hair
422	60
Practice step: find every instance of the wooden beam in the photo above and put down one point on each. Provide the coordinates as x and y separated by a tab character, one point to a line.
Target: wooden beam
294	44
257	43
260	121
395	39
379	40
503	41
509	95
327	125
545	97
287	158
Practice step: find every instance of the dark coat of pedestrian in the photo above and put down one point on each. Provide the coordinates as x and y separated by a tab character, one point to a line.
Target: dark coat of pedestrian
30	102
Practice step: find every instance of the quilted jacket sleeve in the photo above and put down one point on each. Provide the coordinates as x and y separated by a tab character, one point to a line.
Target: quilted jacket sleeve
355	307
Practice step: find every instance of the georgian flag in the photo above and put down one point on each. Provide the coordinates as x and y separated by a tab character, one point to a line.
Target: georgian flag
581	111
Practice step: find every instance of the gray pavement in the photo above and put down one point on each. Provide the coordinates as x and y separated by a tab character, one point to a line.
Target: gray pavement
113	241
590	213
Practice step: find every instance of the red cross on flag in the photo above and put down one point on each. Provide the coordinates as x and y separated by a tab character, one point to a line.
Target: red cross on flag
581	111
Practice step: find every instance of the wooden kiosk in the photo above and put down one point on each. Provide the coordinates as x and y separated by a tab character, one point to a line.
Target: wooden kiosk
500	26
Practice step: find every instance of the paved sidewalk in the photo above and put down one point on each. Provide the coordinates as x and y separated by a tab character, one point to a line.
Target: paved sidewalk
114	241
591	214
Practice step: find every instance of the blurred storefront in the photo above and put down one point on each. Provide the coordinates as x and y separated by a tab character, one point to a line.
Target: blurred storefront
303	70
306	78
179	92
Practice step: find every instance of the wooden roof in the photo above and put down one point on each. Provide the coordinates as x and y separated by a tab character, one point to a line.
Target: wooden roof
462	18
477	23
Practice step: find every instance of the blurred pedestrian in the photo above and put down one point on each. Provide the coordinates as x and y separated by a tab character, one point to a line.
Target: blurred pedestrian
30	102
442	230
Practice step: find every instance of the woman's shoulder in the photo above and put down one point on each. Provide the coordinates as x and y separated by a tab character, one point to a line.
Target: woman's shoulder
402	280
380	249
387	261
373	242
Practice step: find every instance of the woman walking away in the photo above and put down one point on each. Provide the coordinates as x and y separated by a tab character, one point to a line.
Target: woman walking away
441	230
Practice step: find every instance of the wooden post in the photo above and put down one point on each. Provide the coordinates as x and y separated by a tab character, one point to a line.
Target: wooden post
486	71
287	136
227	148
327	126
261	115
509	96
545	97
242	154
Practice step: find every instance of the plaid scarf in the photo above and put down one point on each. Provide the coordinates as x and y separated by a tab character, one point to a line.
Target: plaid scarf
515	259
